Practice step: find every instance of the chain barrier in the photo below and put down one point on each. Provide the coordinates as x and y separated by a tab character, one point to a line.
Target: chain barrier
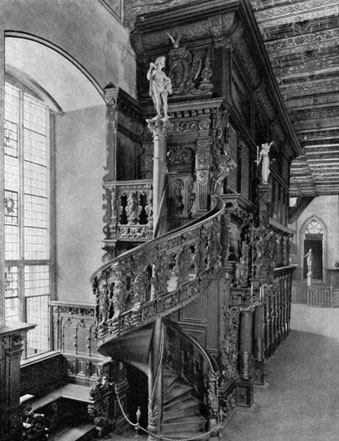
137	426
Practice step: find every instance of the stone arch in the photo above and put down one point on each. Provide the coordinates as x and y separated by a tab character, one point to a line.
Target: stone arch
26	53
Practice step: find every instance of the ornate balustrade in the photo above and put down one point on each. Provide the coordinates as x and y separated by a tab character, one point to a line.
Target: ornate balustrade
158	277
277	308
130	212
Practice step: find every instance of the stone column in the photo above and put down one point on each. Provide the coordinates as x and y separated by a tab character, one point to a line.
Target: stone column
159	129
11	346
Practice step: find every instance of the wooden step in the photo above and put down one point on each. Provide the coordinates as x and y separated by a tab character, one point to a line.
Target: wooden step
176	390
168	380
189	409
193	424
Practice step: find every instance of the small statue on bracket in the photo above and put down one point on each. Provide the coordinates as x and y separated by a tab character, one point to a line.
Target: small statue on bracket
263	157
160	86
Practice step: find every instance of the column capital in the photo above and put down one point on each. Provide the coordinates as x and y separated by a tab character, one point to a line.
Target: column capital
159	127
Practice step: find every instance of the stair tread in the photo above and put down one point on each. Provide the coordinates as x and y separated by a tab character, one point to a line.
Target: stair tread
177	390
188	404
174	401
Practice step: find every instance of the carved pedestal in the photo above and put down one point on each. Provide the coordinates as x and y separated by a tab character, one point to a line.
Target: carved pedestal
11	346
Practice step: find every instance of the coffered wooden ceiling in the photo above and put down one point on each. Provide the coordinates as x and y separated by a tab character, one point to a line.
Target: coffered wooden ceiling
302	41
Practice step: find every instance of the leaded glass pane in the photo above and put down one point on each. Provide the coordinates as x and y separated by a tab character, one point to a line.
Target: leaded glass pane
35	148
11	173
36	280
37	312
35	181
34	115
36	211
12	310
36	243
12	242
11	139
12	97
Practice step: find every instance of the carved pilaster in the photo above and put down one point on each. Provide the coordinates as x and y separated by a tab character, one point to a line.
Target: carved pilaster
111	98
265	192
203	163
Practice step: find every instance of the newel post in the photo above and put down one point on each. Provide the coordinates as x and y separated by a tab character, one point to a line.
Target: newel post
11	347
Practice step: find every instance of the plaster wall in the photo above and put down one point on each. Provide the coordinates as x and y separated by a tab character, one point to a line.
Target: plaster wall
80	158
326	210
83	29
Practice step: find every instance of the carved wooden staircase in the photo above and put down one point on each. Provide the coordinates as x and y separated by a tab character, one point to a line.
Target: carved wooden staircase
135	292
183	413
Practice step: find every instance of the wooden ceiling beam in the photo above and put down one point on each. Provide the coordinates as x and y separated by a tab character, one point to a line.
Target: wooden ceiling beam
293	12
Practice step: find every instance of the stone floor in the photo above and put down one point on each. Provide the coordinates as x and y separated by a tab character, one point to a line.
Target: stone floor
300	401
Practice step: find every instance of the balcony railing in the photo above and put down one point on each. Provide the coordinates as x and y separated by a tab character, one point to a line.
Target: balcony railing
131	209
321	296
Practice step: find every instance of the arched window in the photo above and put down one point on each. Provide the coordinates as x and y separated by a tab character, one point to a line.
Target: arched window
27	219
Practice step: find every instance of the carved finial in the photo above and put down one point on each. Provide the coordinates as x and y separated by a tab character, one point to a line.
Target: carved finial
174	41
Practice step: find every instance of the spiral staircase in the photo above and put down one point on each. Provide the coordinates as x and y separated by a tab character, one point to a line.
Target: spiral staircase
137	293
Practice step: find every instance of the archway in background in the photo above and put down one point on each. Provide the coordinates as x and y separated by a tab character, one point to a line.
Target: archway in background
313	239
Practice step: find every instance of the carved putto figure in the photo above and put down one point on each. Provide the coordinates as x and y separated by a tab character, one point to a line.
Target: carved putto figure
160	86
264	159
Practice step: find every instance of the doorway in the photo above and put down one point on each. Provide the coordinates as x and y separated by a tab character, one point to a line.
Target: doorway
314	243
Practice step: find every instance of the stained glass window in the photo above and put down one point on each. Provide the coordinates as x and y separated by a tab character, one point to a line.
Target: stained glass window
27	204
